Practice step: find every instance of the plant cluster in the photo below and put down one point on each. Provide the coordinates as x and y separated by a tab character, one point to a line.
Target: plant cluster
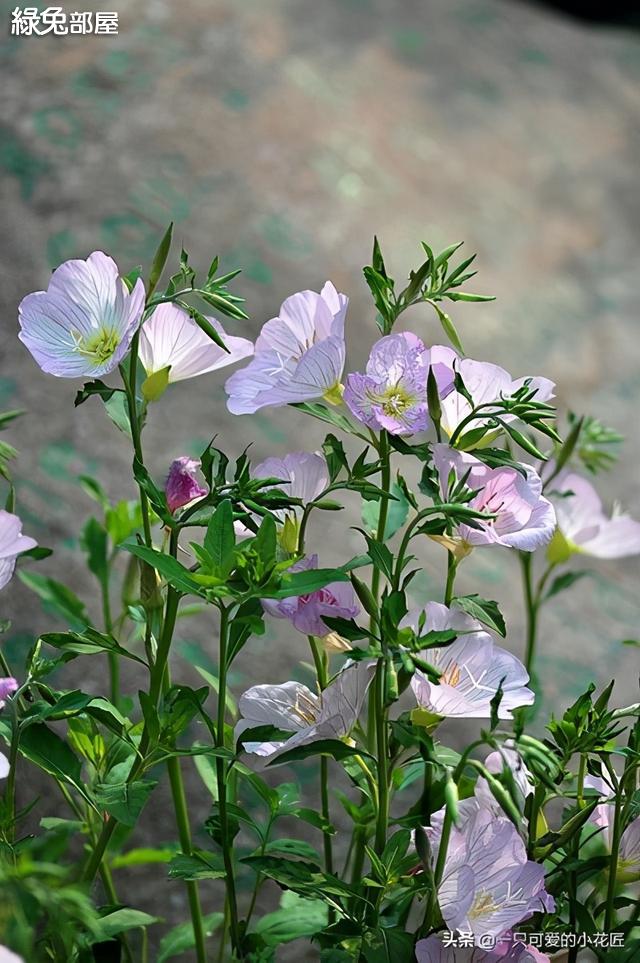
511	849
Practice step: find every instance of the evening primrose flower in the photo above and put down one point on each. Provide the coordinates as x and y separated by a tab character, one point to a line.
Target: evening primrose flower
305	612
392	394
182	486
488	885
485	383
583	526
628	869
82	325
472	668
293	707
524	518
299	356
434	950
12	544
173	348
301	474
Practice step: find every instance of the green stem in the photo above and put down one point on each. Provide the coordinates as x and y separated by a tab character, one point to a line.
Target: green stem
322	673
184	834
113	660
155	688
616	835
379	684
221	774
451	577
130	382
531	608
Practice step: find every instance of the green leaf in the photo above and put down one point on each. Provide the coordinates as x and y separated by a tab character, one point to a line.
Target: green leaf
94	542
120	921
565	581
169	567
141	856
118	411
322	747
396	513
296	919
220	539
484	610
301	877
197	865
47	750
57	599
180	939
96	388
159	260
88	642
292	847
301	583
124	800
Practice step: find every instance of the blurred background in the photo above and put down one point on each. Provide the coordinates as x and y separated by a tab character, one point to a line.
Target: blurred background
282	135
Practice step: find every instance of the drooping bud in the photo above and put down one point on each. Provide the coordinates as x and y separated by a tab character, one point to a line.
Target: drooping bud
182	486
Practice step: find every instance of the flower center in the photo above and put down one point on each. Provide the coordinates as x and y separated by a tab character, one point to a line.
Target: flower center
451	675
100	347
306	709
483	905
395	401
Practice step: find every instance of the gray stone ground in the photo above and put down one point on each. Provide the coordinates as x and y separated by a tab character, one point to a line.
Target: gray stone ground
282	135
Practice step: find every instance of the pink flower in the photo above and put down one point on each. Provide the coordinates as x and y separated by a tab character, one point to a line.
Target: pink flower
82	325
485	383
182	486
12	544
302	474
305	612
299	355
472	668
392	394
488	885
295	708
171	340
7	687
583	526
524	519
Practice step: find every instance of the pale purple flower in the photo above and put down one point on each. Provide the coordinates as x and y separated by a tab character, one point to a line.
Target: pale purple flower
294	708
82	325
392	394
305	612
434	950
7	687
485	383
299	356
496	762
8	956
472	668
602	817
583	525
12	544
302	474
524	518
171	339
488	885
182	486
